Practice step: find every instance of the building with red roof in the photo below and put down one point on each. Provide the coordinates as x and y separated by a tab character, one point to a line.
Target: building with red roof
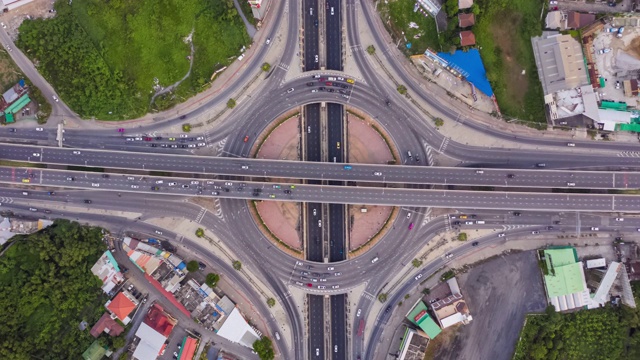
466	20
108	325
153	333
467	38
121	306
188	349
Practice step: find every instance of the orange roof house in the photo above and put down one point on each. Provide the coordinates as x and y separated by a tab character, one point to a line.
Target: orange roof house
467	38
121	307
466	20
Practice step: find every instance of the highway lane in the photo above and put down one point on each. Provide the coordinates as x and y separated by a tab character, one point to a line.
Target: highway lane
323	194
311	35
338	327
333	25
533	177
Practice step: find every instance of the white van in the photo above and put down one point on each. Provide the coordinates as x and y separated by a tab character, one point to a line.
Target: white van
277	335
480	222
374	260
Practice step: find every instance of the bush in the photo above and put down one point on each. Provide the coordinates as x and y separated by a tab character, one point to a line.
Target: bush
402	89
371	50
426	291
439	122
200	232
407	296
237	265
186	127
448	275
416	263
266	67
264	348
382	297
231	103
192	266
118	342
462	236
212	279
271	302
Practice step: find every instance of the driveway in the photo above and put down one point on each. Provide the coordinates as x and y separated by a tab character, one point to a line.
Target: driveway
499	293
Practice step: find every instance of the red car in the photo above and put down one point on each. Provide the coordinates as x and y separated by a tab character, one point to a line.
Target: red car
246	138
328	83
120	130
148	138
321	79
310	285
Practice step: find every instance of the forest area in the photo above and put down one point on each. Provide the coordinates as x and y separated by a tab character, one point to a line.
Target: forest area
107	59
48	289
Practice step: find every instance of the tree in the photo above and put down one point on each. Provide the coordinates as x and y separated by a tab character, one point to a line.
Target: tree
212	279
426	291
382	297
462	236
416	263
266	67
186	127
475	9
271	302
231	103
118	341
264	348
451	7
438	121
402	89
200	232
371	50
237	265
192	266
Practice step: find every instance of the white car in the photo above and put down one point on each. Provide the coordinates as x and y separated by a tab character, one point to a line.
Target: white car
358	312
448	256
501	235
594	228
192	145
228	183
194	182
173	184
479	171
200	138
95	184
335	287
290	91
130	178
571	144
313	91
268	41
245	167
184	136
159	181
374	260
138	139
76	153
135	186
36	154
316	58
571	184
321	287
3	25
39	129
202	144
619	219
418	277
331	268
319	223
158	232
377	173
55	98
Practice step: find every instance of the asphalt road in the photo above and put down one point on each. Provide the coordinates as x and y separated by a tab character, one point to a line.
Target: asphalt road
338	327
333	33
316	327
532	177
311	35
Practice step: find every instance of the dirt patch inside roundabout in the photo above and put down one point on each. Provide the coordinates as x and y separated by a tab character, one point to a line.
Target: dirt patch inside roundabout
281	218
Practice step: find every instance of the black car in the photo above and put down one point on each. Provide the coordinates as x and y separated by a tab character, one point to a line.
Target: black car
158	137
475	243
619	238
47	211
287	191
387	309
549	227
105	175
511	176
87	201
201	265
388	103
515	213
321	88
344	86
154	145
310	83
184	146
330	90
12	130
183	117
164	145
315	22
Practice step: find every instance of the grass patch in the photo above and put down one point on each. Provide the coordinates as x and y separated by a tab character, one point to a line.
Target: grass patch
22	164
104	58
397	15
503	32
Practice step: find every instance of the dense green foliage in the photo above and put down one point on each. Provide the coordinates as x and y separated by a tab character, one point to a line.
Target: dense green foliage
438	122
192	266
271	302
200	232
264	348
606	333
104	57
47	290
400	14
462	236
212	279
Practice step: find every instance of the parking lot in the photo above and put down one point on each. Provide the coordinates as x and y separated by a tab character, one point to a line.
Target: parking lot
499	294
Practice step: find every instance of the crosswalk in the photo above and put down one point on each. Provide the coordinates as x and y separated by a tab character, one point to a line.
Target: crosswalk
284	66
201	214
368	296
444	144
427	216
6	200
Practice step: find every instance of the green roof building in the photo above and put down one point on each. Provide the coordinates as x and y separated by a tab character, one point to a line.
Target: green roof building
94	352
421	318
565	281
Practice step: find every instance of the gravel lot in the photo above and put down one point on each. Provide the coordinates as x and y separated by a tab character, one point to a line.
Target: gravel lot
499	294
